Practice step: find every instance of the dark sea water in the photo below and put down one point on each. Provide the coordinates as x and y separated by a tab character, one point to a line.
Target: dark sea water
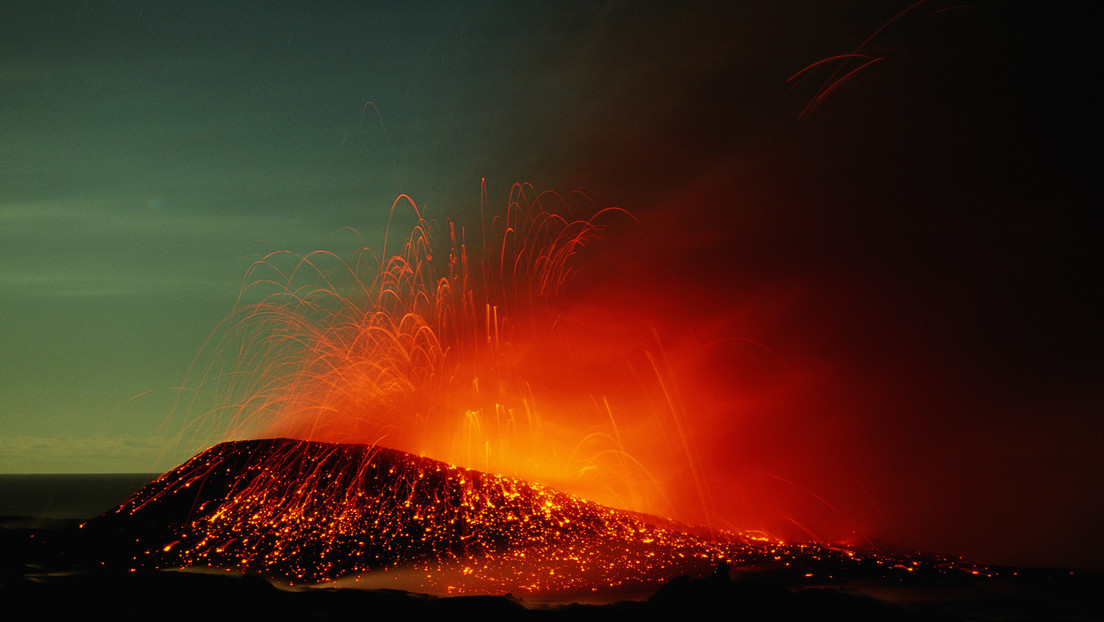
67	496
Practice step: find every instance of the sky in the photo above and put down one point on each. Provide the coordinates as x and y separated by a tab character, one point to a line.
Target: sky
911	244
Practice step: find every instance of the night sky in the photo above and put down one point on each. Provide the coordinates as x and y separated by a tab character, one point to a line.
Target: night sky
919	254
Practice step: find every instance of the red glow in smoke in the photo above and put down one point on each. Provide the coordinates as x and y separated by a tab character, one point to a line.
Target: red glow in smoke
558	344
844	327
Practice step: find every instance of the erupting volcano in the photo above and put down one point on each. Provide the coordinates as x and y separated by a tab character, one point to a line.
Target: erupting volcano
809	315
451	356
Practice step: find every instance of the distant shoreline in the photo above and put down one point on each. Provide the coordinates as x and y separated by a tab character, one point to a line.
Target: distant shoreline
65	496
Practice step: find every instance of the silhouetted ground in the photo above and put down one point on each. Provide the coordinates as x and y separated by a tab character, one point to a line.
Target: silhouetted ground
47	574
309	513
318	511
57	570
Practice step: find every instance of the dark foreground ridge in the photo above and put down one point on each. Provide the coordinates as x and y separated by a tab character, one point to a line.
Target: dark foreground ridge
309	512
275	518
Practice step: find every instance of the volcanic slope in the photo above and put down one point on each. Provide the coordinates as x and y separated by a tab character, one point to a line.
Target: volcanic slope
310	512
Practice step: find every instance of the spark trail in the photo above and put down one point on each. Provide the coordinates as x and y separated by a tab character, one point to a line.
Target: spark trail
429	349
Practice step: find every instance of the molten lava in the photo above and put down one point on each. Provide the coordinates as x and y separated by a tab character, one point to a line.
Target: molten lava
314	512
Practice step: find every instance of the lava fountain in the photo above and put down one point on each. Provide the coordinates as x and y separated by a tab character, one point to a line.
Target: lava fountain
437	350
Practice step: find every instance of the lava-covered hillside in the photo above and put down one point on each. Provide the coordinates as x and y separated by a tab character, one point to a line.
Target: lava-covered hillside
309	512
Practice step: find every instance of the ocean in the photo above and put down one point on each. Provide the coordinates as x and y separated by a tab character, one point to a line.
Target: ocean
66	496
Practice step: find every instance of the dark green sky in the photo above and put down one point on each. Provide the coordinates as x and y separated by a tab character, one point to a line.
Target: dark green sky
150	151
924	249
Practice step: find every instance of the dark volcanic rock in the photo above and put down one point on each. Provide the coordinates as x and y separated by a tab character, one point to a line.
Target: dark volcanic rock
309	512
304	512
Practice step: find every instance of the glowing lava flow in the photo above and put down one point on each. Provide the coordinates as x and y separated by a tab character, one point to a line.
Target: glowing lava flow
304	511
312	512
